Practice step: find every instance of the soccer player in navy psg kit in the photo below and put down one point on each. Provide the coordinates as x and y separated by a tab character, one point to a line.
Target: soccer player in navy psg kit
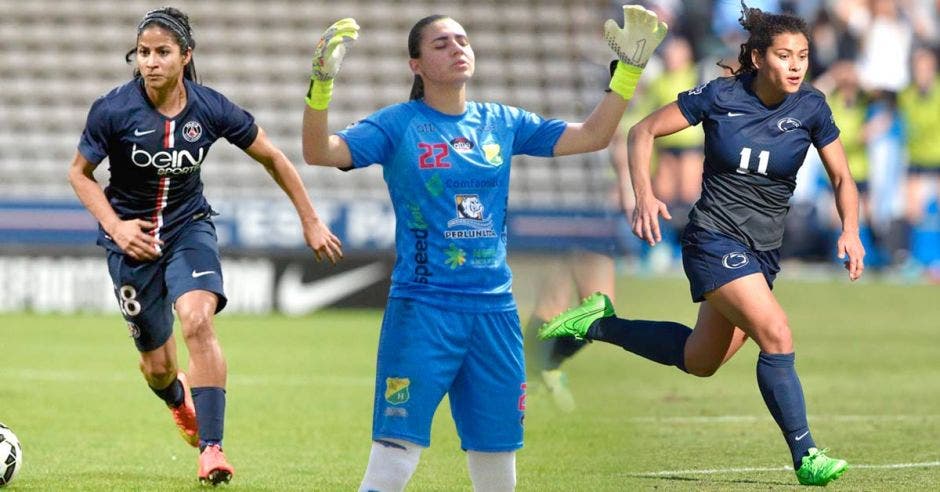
451	325
758	127
156	224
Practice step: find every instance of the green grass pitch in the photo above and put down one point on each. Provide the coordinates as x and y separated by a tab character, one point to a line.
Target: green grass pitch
299	403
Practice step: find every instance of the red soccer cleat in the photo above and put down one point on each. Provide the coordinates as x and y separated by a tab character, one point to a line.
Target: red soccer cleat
185	415
213	467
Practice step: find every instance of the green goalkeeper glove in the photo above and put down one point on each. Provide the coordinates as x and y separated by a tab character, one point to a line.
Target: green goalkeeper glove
634	44
327	58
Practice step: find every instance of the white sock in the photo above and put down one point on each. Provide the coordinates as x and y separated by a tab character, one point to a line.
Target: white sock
391	464
492	472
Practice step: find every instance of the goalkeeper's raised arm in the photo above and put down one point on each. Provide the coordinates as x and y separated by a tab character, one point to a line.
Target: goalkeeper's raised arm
319	147
633	44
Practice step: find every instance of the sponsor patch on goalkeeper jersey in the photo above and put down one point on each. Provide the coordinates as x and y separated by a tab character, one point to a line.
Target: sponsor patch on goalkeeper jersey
462	144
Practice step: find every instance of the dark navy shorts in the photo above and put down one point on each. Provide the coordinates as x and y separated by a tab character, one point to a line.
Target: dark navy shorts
712	259
146	291
924	168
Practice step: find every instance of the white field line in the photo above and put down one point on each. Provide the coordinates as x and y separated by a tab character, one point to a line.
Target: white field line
666	473
735	419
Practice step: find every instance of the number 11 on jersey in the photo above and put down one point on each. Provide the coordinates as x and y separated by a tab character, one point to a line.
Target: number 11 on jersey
762	160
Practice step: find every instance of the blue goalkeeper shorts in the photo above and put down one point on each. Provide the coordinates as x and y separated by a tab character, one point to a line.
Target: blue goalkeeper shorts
475	358
146	291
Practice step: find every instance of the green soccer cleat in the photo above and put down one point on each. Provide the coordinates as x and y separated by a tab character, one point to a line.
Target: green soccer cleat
819	469
576	321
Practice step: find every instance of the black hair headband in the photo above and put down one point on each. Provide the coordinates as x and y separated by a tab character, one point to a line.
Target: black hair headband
171	23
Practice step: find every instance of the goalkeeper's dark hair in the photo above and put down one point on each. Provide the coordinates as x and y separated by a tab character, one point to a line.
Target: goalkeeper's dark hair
763	28
175	21
414	51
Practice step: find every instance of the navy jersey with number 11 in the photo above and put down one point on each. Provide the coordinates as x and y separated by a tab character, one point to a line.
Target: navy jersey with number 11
752	155
155	160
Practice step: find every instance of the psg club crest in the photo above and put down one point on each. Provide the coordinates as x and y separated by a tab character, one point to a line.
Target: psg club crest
192	130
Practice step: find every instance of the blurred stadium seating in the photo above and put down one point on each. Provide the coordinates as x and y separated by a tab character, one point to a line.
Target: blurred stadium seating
59	55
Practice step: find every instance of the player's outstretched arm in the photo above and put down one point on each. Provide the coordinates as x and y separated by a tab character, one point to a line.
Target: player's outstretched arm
849	244
634	45
663	121
319	147
316	233
129	235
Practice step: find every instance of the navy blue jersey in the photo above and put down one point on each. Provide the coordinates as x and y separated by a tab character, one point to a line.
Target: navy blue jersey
752	155
155	160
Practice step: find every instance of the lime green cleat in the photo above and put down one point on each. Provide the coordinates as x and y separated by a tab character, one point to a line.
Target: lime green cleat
576	321
556	381
819	469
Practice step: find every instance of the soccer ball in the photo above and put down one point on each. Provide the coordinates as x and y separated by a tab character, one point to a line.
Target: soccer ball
11	455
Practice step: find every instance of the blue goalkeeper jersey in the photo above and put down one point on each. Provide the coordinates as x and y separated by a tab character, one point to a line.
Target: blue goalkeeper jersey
154	160
448	179
752	155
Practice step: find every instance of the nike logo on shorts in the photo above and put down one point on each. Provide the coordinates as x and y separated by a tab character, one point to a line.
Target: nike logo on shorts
200	274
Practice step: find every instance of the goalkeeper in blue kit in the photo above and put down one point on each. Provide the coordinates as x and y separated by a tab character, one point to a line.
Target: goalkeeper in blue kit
450	325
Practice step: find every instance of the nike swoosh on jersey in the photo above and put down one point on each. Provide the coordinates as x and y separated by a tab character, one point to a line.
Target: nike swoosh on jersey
139	133
294	297
200	274
734	114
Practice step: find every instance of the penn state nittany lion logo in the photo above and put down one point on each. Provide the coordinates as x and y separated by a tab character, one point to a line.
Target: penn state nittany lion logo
192	130
469	207
734	261
789	124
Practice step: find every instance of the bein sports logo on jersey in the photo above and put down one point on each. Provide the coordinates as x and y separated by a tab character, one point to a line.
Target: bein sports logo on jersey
788	124
192	130
168	162
470	212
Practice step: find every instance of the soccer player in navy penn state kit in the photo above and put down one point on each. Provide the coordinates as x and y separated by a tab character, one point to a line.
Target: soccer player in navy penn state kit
758	127
451	325
155	222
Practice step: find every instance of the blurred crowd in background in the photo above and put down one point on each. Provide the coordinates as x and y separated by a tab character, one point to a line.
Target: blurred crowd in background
876	61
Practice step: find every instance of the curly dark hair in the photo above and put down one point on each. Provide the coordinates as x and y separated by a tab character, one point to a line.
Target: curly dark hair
763	28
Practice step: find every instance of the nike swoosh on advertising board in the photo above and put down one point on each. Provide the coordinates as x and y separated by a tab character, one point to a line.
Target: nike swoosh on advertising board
294	297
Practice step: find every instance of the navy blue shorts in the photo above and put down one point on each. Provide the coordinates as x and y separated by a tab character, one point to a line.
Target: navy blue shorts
146	291
712	259
923	169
